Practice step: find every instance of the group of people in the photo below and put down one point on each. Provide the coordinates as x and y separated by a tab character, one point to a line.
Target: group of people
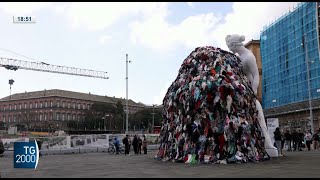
137	143
294	141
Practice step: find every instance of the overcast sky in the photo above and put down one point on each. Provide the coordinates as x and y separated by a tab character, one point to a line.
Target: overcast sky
97	36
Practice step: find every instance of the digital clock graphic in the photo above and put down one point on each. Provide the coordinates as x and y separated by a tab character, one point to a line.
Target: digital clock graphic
24	19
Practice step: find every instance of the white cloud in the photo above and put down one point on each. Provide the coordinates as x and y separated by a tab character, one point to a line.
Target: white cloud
23	8
191	4
159	98
156	33
205	29
249	19
60	8
103	39
99	15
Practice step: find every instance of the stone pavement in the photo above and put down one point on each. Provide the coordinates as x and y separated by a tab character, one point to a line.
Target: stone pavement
293	164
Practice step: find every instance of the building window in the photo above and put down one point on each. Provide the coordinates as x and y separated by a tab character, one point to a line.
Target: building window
10	107
62	116
63	104
30	105
40	117
46	104
88	106
79	106
40	104
4	107
58	103
25	105
74	105
69	117
36	105
84	106
45	116
74	117
51	103
9	118
4	118
58	116
14	118
20	106
69	104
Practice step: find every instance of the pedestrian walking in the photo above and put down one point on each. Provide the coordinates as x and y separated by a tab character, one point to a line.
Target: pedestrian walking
116	144
1	147
288	139
130	143
135	143
295	140
300	138
308	139
316	139
145	145
139	145
125	141
277	138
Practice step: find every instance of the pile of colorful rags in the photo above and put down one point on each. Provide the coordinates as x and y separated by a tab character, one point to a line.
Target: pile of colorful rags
209	112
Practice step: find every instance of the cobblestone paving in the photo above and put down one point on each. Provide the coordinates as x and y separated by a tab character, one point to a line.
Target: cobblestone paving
293	164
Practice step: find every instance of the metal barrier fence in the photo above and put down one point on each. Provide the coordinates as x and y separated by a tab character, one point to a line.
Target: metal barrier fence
77	143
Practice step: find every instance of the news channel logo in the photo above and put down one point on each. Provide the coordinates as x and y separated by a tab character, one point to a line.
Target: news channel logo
26	154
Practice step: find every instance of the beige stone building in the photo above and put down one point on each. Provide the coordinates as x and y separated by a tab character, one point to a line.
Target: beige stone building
55	107
254	47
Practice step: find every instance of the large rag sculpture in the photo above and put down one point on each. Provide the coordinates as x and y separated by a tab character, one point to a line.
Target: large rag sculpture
210	112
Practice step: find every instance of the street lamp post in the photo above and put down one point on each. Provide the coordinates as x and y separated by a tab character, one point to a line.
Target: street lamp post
308	81
123	128
11	81
127	111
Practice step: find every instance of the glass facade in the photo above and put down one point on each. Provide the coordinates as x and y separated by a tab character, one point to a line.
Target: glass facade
283	54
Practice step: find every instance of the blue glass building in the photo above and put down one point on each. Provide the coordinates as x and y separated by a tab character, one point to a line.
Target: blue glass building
284	55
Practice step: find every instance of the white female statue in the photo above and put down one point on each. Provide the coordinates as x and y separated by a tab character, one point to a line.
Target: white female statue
250	68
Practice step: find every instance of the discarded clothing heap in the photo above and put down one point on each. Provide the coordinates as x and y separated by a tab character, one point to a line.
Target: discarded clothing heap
209	112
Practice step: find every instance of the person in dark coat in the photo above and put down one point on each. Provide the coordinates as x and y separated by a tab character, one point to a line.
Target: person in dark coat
125	141
135	143
288	138
301	138
277	138
295	140
139	145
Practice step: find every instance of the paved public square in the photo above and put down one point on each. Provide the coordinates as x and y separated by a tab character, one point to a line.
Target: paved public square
293	164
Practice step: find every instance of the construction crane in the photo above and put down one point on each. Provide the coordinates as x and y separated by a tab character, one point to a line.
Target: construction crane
14	64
